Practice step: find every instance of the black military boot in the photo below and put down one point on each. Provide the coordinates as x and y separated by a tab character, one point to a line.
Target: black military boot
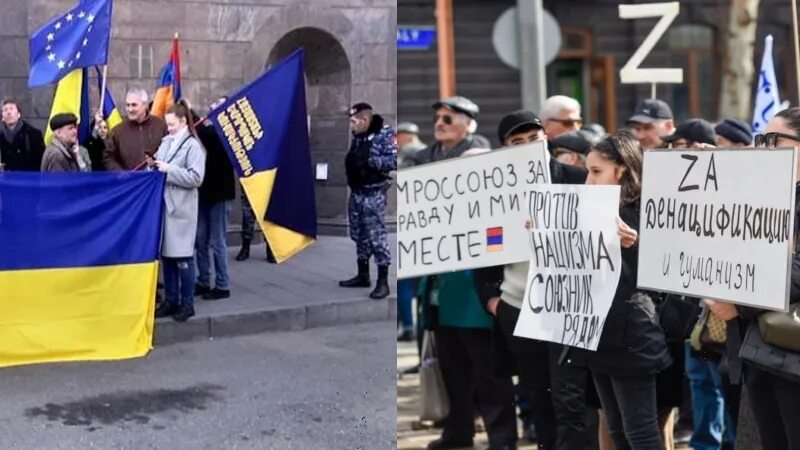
167	308
360	280
244	253
382	285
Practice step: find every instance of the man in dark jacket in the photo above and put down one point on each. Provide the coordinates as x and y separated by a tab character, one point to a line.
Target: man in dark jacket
21	145
464	346
138	135
372	155
556	392
64	154
454	118
216	193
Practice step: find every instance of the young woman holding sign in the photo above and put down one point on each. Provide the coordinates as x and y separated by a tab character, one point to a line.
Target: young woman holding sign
773	382
633	347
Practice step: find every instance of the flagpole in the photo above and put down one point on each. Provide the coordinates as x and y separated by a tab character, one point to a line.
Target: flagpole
796	50
103	90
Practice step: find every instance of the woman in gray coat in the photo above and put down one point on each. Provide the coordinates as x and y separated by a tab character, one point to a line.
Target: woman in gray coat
183	159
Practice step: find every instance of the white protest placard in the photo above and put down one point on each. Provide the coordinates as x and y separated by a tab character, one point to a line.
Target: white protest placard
718	224
455	214
575	263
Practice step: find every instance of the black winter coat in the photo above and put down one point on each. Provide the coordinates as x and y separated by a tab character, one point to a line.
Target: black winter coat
632	342
26	152
489	279
219	183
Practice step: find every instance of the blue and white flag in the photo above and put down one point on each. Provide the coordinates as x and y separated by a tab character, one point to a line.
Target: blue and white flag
767	102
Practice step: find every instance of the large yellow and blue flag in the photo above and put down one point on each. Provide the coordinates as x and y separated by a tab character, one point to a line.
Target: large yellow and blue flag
75	39
265	131
72	96
109	109
78	265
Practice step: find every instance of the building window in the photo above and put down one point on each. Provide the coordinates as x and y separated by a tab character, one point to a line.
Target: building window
691	47
142	61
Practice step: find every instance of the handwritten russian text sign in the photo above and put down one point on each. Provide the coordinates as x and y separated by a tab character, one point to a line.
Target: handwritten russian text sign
575	262
466	213
718	224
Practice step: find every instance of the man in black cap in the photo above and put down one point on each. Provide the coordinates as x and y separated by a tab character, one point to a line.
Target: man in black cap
64	154
571	148
556	391
651	120
372	155
693	133
732	133
454	118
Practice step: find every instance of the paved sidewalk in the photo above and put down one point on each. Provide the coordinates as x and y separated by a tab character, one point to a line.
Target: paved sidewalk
301	293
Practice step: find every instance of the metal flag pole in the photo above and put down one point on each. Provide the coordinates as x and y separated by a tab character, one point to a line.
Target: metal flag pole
103	90
796	50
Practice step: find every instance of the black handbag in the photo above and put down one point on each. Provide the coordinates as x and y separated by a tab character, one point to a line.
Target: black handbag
769	358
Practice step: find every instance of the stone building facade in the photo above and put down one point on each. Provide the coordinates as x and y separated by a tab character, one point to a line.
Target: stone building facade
349	47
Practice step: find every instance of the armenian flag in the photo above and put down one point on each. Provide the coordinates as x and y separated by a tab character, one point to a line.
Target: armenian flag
264	129
494	239
78	265
169	86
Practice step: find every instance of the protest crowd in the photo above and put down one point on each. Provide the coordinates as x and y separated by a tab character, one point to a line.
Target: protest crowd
667	370
200	187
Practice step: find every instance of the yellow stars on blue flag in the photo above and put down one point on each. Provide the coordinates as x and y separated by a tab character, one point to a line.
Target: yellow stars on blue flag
77	38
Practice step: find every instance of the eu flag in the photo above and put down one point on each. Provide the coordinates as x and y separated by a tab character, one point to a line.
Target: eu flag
77	38
265	132
78	265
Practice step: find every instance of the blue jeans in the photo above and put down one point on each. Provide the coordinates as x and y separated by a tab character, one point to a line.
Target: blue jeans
179	280
405	297
212	225
712	423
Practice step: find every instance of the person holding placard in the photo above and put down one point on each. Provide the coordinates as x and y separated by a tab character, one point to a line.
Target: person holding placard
556	392
453	125
773	385
632	347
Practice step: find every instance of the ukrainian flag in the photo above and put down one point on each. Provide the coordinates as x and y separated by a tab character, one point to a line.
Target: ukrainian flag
78	265
72	96
265	131
110	112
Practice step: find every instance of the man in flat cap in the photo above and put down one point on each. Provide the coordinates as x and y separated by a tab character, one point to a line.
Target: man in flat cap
372	155
408	144
733	133
692	133
453	123
571	148
652	120
64	154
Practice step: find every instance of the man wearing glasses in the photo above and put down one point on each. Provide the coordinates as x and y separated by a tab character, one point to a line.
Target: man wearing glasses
651	120
452	124
561	114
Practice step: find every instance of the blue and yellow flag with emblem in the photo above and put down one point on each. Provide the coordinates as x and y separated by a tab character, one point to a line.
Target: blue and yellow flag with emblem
265	131
78	265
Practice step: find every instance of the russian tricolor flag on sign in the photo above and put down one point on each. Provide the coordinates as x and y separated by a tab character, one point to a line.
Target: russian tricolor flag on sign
494	239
